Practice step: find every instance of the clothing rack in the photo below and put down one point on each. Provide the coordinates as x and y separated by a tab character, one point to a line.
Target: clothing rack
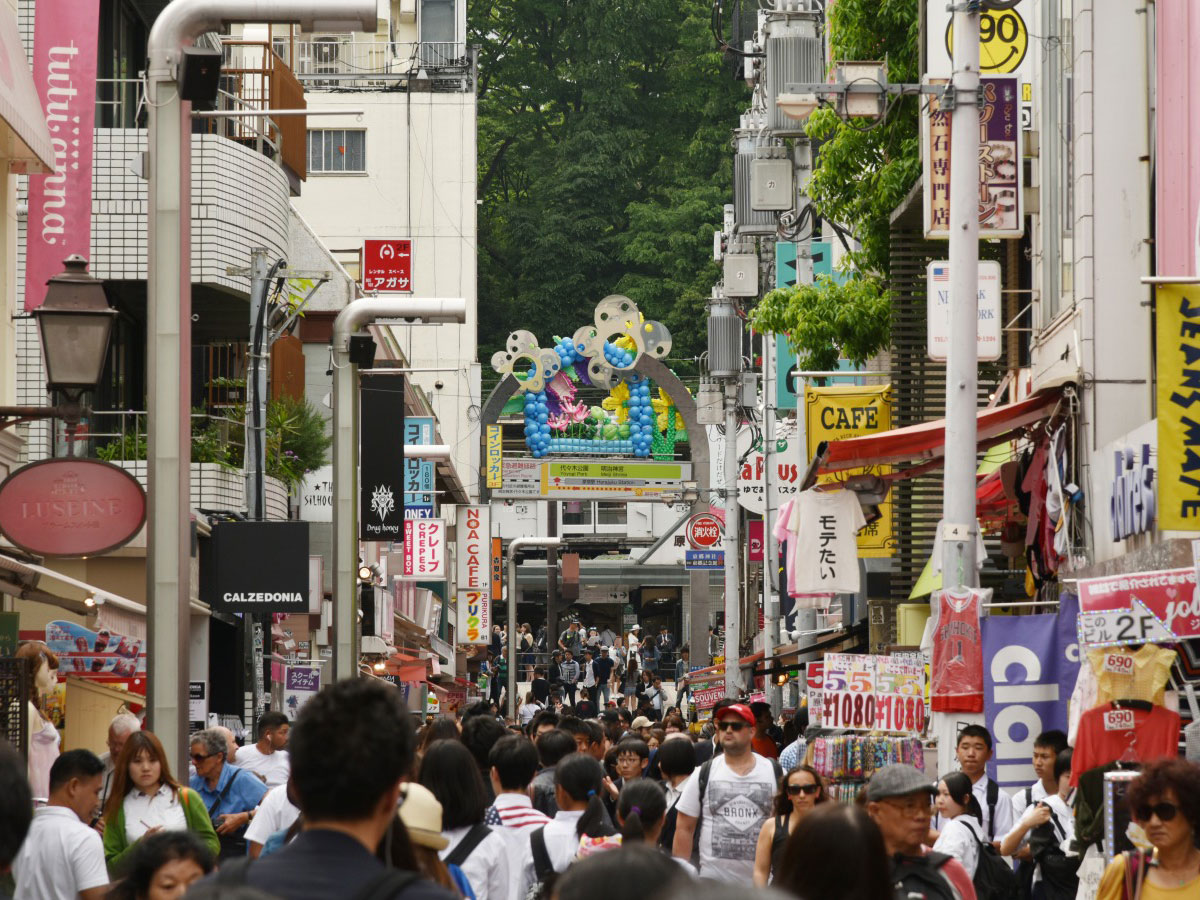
846	760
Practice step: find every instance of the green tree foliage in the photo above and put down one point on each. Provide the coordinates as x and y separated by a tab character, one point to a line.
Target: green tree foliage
604	162
862	173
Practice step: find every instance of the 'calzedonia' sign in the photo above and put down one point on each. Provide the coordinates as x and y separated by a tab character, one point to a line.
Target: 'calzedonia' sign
257	567
71	507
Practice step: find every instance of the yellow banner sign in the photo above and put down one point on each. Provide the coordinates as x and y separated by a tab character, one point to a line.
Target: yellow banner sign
1178	346
836	413
494	458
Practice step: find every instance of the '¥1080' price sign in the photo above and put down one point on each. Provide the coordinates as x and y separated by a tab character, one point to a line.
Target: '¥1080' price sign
873	693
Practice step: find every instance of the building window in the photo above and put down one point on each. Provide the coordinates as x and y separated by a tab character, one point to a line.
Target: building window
337	150
576	513
611	513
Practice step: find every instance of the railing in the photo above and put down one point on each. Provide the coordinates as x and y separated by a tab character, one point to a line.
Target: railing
260	78
328	63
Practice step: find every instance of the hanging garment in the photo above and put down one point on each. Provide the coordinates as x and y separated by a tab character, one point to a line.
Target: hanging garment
826	554
957	670
1106	734
1124	674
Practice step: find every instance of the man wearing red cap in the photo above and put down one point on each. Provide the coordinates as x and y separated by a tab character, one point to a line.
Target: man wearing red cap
731	797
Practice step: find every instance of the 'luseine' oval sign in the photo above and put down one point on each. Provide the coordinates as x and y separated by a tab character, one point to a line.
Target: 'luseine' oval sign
71	507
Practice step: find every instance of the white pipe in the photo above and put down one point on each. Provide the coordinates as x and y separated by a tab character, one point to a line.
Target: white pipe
250	113
733	606
427	451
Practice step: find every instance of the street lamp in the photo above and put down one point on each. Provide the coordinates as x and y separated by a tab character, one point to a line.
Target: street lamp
75	322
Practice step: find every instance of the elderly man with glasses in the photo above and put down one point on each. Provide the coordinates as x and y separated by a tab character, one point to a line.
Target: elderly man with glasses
231	794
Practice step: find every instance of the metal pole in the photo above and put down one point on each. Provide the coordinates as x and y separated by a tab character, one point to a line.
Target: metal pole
256	388
733	608
514	547
168	332
771	605
958	551
345	459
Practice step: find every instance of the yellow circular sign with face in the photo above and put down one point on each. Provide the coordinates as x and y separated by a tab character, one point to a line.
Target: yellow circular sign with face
1003	41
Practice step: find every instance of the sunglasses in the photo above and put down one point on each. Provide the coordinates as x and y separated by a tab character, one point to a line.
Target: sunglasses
735	726
795	790
1165	812
201	757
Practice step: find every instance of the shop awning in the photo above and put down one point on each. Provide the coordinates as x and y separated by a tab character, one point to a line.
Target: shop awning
927	442
26	140
789	656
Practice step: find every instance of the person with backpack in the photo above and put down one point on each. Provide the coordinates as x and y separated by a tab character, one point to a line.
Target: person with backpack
898	799
351	747
729	798
578	787
973	749
962	833
449	772
1046	748
1047	830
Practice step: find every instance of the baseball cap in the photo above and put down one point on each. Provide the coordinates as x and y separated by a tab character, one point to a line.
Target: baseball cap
421	814
640	722
898	780
741	710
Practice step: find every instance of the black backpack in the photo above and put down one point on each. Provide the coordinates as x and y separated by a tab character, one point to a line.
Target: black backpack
920	876
994	878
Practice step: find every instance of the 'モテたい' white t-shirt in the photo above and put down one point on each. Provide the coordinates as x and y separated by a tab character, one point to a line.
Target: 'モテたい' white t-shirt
734	809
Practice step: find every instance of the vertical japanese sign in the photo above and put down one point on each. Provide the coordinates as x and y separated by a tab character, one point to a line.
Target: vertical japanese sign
1000	203
1178	423
424	549
380	449
835	413
65	38
474	622
474	547
387	266
300	684
418	473
497	568
494	457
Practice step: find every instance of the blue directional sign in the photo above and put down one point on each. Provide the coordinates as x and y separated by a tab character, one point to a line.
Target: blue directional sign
704	559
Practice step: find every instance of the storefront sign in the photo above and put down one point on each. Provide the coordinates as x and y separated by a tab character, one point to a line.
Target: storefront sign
754	537
1170	595
259	567
382	435
497	568
387	266
418	473
836	413
102	654
1030	664
65	39
1131	503
587	479
473	535
703	531
988	343
424	549
1178	348
869	693
316	495
473	624
197	706
704	559
71	507
1000	203
493	462
1123	627
300	684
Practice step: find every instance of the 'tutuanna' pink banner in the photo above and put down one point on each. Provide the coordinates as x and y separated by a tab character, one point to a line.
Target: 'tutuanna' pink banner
60	205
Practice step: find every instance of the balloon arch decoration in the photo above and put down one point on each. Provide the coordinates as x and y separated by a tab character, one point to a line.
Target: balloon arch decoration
636	418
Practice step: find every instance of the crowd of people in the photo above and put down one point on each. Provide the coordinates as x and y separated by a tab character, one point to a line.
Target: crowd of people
353	800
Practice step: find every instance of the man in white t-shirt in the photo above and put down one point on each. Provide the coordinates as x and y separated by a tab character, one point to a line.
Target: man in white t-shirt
275	813
266	758
62	857
732	803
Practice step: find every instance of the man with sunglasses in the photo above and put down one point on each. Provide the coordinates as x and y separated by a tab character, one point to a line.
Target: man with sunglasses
730	796
899	799
231	794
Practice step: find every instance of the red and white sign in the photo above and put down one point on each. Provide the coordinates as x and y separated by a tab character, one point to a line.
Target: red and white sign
703	531
754	534
1169	594
71	507
871	693
65	38
473	534
473	620
387	266
424	549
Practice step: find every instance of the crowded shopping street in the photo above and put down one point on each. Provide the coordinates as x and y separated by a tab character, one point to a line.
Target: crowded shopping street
525	450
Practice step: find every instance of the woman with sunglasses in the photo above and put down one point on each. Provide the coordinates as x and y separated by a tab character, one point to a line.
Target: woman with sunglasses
1165	801
800	791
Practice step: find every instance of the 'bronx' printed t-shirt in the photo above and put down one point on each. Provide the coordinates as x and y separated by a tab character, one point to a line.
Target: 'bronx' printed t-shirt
734	808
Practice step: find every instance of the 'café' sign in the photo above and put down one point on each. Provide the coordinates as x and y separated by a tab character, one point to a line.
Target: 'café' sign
71	507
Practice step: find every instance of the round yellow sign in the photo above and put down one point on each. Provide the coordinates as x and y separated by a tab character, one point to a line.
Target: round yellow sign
1003	41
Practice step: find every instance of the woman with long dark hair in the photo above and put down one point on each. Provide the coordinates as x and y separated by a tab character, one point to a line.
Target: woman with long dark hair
449	772
641	811
146	800
578	788
836	853
800	792
162	866
957	805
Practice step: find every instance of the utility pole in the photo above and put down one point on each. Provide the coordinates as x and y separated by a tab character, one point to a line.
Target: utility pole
256	387
771	605
958	509
515	546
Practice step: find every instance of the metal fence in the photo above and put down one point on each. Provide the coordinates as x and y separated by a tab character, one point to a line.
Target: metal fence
336	62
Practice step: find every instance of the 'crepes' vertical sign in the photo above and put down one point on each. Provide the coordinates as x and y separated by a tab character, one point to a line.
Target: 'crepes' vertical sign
65	36
1178	370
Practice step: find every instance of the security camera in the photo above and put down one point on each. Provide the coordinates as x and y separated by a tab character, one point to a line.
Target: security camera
439	384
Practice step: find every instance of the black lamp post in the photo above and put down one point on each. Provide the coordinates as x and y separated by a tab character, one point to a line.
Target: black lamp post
75	322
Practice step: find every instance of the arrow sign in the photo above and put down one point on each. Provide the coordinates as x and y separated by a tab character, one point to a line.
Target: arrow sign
1120	627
